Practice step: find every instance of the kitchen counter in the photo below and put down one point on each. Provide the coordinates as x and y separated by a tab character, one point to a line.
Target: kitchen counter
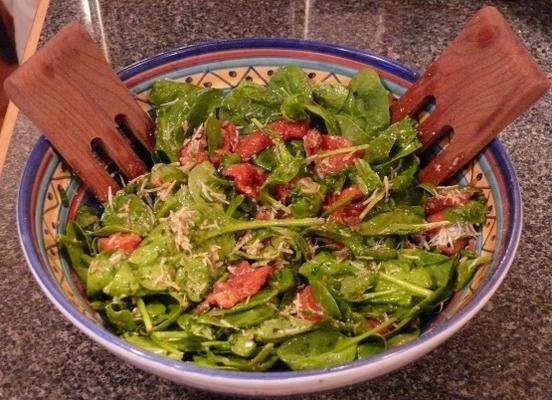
505	352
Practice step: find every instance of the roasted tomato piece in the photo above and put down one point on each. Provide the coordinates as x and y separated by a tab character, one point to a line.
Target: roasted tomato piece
242	283
314	143
230	141
334	142
329	165
126	242
248	179
193	151
289	129
373	323
309	309
252	144
457	245
446	198
353	191
349	214
282	190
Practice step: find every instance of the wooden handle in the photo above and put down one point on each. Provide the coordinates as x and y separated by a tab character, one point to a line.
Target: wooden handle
482	82
73	96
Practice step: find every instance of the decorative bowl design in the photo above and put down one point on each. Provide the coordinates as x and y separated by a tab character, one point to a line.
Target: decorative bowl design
42	213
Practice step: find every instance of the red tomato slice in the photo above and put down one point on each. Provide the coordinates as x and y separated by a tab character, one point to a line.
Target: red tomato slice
126	242
314	143
242	283
282	190
353	191
248	179
309	309
373	323
252	144
348	215
457	245
436	217
334	142
444	200
290	129
230	141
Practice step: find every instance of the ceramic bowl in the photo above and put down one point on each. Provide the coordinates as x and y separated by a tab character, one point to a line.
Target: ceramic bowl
42	214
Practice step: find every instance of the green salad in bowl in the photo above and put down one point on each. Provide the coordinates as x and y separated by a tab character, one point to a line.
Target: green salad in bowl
281	227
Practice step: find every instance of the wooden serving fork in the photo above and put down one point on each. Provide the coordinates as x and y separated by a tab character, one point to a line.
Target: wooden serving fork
482	82
69	91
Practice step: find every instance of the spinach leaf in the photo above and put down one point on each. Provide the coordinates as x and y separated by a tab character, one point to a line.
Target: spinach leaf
473	212
193	277
318	349
306	198
102	270
329	123
350	128
77	249
401	221
205	185
165	91
128	212
282	327
366	179
86	216
402	338
151	346
367	102
169	131
125	283
245	319
247	101
405	142
290	80
214	134
120	316
331	96
467	266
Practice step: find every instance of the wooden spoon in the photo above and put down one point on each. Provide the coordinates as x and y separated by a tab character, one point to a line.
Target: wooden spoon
74	97
481	83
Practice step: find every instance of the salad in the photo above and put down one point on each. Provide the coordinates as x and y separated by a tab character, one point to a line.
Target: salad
280	227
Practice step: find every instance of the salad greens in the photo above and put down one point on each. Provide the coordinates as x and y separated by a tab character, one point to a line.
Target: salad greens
282	226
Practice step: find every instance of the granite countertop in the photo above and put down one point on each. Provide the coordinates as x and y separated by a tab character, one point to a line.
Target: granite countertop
504	352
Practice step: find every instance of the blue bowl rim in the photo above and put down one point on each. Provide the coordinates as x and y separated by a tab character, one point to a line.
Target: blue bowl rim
33	258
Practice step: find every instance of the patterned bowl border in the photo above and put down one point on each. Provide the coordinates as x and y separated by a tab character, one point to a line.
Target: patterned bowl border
41	215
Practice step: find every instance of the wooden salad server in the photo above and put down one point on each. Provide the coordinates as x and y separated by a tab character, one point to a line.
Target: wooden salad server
69	91
482	82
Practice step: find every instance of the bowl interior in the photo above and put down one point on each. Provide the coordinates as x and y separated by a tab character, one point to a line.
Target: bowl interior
50	193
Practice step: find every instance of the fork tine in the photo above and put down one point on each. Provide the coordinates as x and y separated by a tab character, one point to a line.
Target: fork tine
411	102
432	128
141	126
94	175
119	150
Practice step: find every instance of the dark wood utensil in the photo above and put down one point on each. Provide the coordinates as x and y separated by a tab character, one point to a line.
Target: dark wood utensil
482	82
69	91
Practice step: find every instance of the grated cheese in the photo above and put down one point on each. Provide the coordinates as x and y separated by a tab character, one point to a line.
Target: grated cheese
447	235
179	222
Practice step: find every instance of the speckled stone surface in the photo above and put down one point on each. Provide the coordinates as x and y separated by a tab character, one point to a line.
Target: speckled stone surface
505	352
